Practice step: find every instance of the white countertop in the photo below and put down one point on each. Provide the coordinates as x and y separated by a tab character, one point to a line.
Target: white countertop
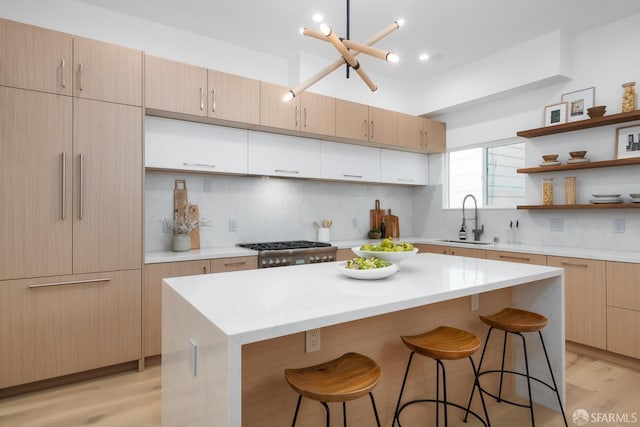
254	305
196	254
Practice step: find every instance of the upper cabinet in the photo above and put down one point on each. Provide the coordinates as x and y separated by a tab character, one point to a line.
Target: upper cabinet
175	87
349	162
35	58
364	123
283	155
106	72
400	167
308	112
435	135
233	98
421	134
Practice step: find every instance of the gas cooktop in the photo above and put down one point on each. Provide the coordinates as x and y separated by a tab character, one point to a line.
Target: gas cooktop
293	244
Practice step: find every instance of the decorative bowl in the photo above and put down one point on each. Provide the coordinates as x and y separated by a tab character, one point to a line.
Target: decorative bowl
375	234
370	274
550	157
577	154
597	111
390	257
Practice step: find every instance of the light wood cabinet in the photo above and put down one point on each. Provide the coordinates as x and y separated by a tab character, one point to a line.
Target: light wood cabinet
35	194
274	112
35	58
174	86
233	98
318	114
421	134
450	250
352	120
435	135
152	297
107	72
152	290
585	300
383	126
623	308
107	228
344	255
523	258
76	323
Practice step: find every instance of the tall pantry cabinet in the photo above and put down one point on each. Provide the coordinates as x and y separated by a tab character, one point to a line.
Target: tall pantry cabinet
71	203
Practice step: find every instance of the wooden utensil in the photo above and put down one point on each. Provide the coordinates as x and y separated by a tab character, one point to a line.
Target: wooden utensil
376	215
391	225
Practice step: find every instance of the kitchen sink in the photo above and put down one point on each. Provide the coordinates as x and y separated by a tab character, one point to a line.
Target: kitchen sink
465	242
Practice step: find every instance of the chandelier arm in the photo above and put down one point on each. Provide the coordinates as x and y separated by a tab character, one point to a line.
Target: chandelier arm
383	33
368	50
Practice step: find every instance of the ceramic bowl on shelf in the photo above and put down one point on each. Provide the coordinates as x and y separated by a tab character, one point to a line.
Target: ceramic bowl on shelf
370	274
390	257
578	154
550	157
597	111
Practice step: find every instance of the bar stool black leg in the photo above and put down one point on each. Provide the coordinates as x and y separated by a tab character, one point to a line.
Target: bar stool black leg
295	415
437	395
444	392
477	382
404	381
526	366
344	414
553	379
326	408
504	350
375	410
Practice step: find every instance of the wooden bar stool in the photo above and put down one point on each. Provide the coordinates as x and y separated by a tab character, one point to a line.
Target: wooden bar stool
442	343
348	377
516	321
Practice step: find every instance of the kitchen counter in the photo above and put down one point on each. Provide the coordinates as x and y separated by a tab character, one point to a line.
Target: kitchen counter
197	254
217	315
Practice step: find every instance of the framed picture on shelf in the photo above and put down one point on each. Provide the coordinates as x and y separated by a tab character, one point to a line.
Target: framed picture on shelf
627	142
578	103
555	114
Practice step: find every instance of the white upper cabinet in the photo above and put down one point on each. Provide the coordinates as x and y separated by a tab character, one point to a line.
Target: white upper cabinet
401	167
178	145
350	162
283	155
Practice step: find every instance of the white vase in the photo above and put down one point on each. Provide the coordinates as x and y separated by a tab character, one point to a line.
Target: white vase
181	243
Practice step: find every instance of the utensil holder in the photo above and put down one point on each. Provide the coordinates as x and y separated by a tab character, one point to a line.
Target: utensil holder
323	234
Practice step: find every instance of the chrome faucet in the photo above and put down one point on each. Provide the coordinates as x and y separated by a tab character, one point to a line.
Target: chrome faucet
476	231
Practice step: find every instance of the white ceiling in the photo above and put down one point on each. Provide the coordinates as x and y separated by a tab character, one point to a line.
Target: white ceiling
453	32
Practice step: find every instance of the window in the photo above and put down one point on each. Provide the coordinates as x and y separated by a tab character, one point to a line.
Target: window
489	173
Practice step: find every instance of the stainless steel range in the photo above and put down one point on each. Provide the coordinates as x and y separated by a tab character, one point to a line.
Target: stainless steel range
296	252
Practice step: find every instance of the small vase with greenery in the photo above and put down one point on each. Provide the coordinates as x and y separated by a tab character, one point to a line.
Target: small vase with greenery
181	226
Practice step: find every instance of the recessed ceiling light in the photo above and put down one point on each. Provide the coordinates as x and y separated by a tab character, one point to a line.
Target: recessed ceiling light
317	17
423	56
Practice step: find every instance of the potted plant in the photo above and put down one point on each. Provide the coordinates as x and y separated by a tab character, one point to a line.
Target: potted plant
375	233
181	226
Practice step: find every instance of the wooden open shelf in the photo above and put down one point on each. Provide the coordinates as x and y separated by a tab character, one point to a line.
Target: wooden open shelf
576	166
582	124
588	206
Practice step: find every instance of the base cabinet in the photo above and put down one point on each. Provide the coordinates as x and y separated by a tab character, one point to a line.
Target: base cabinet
623	308
585	300
522	258
450	250
60	325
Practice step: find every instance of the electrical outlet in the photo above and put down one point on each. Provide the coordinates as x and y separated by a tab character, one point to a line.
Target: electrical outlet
208	185
233	225
475	302
312	340
557	224
618	226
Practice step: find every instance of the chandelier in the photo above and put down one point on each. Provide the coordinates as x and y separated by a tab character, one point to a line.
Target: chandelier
348	51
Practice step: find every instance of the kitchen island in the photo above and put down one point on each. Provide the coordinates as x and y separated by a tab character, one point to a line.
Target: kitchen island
227	337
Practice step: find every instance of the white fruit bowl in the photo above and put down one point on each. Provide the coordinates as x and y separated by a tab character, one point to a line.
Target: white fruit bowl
390	257
370	274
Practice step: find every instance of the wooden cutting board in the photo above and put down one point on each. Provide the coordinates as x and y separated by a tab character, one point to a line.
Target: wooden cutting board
391	225
194	213
376	215
180	199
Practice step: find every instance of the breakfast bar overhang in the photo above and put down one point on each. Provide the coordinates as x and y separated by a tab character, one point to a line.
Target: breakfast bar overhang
218	328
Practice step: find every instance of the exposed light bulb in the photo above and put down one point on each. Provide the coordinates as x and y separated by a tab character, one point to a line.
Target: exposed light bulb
423	56
301	30
326	30
400	22
392	57
288	97
317	17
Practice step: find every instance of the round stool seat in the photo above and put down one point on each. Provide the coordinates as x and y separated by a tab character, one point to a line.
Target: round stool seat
515	320
443	343
348	377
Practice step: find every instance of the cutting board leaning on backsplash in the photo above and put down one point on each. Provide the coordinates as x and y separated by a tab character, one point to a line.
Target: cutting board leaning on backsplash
181	208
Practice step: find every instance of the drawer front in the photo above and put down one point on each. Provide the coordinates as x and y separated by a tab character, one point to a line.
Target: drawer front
65	324
517	257
220	265
623	331
623	285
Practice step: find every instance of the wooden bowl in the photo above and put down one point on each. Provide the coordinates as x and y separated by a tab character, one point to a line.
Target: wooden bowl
577	154
550	157
596	111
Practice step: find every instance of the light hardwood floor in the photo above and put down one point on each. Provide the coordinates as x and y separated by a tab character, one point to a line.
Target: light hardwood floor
133	399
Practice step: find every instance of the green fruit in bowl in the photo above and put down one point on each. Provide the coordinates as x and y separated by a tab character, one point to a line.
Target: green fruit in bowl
387	245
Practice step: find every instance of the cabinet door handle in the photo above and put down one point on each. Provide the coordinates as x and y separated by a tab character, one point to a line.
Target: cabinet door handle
405	180
63	68
81	196
64	186
372	129
346	175
203	165
72	282
305	117
515	257
201	99
285	171
571	264
296	115
231	264
81	77
213	101
204	269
